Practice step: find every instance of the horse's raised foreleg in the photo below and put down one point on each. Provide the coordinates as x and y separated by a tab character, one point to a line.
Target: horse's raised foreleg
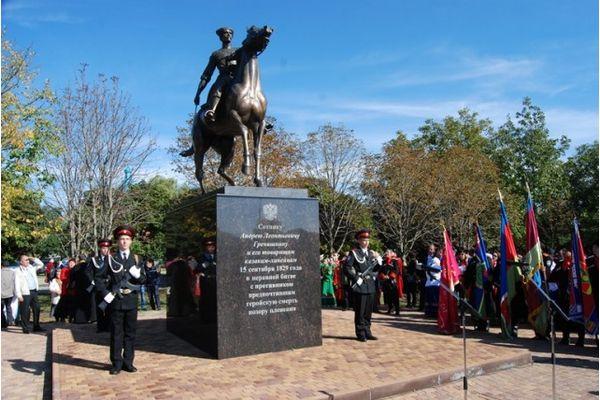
258	131
244	133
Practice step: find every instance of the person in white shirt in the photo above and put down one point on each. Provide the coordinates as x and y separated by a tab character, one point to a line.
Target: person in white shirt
55	288
433	271
26	290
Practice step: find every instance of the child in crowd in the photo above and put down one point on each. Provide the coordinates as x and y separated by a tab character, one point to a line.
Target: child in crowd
55	288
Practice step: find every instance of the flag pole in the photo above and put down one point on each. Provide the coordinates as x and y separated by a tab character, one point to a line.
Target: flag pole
551	305
464	335
463	305
552	351
553	308
461	302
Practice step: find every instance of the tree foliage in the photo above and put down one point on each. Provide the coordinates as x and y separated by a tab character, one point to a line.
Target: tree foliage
27	135
333	161
466	131
101	135
414	190
146	205
525	153
582	172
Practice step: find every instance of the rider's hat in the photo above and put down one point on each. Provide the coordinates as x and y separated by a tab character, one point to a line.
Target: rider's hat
224	29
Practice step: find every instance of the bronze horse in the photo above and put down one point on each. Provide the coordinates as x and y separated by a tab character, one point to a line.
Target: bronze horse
241	111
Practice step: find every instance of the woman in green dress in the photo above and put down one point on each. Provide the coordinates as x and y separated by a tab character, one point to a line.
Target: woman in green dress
327	289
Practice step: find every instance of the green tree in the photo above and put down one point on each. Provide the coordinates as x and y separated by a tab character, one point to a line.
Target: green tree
27	135
145	207
466	130
582	172
412	191
525	153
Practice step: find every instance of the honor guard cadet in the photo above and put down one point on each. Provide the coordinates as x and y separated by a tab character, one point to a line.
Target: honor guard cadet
99	265
124	275
361	268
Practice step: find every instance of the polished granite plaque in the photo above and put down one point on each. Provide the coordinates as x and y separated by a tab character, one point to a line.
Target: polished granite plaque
265	295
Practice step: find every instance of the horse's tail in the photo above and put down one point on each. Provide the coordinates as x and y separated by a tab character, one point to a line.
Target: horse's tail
196	131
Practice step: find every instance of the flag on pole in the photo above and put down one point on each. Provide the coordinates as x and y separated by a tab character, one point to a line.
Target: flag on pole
509	272
536	302
582	306
482	273
448	309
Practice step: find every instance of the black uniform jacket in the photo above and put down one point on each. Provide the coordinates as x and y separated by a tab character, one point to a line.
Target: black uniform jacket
109	280
98	266
357	263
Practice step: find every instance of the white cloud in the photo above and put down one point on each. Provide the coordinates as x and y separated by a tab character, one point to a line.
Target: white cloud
580	126
468	69
31	14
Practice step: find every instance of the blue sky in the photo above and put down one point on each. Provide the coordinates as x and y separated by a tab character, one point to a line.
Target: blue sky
376	66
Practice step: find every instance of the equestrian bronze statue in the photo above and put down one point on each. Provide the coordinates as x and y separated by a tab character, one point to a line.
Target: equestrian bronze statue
235	106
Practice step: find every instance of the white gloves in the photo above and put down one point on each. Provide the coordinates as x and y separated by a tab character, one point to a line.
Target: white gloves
109	298
134	272
359	281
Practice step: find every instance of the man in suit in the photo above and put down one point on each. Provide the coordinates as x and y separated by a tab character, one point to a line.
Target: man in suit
124	275
361	268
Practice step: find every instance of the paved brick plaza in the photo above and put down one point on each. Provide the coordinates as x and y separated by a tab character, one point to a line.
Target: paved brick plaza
170	368
412	355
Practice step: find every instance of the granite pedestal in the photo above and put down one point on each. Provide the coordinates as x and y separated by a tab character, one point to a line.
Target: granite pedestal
265	295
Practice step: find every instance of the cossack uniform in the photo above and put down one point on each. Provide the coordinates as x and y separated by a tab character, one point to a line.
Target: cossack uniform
361	267
120	286
99	266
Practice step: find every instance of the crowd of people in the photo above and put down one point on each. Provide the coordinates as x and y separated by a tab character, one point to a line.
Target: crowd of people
416	280
193	283
73	295
108	288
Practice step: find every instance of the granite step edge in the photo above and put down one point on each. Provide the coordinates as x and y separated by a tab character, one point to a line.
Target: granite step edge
436	379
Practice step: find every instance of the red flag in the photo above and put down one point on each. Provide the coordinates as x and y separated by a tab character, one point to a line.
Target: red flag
509	274
448	307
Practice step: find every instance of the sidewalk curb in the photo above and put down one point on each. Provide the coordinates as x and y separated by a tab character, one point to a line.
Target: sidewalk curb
427	381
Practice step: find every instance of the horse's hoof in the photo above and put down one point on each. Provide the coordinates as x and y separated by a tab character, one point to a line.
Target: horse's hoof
245	169
258	182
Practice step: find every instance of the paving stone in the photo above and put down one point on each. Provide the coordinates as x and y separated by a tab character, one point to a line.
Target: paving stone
409	351
318	372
